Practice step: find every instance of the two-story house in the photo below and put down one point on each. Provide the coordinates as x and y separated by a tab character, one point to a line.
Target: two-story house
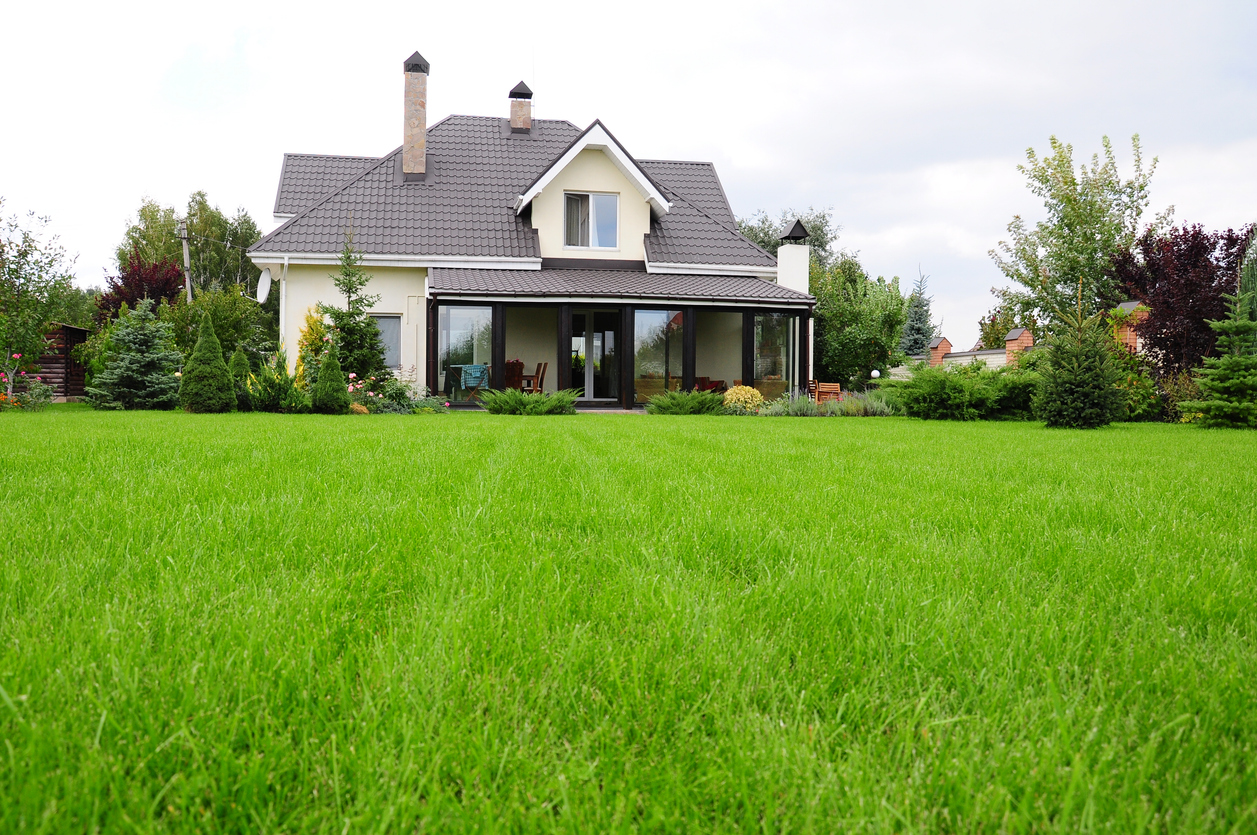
498	239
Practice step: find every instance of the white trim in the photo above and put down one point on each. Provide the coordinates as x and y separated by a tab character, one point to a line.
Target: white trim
711	269
635	301
598	139
452	261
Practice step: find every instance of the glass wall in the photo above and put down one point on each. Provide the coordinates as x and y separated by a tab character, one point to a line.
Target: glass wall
464	349
776	354
657	352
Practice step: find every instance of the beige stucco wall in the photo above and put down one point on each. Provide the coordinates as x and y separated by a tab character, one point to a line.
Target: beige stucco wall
402	292
718	346
591	170
532	336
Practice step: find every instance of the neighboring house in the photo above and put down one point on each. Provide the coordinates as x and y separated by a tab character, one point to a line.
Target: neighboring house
496	239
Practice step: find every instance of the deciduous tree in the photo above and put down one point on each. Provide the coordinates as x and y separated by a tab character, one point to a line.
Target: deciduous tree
859	322
1092	215
765	231
1183	277
34	283
140	278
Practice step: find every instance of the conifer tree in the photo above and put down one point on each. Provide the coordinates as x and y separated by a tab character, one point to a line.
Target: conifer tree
206	385
140	373
1079	388
1229	380
918	330
330	395
239	368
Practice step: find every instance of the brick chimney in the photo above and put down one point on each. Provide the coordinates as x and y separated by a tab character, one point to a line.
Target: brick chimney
415	140
521	108
939	346
1018	340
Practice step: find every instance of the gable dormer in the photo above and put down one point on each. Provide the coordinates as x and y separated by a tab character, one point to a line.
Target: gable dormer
593	201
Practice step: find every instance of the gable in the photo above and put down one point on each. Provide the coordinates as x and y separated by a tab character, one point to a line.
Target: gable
591	171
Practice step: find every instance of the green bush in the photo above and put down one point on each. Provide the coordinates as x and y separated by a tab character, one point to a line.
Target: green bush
239	368
1228	382
206	385
686	403
1176	389
859	404
330	395
516	402
272	388
139	370
966	392
790	405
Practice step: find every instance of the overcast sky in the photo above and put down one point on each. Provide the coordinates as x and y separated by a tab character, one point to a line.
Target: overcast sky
907	118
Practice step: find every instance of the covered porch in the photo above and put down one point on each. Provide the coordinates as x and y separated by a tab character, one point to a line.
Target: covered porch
493	329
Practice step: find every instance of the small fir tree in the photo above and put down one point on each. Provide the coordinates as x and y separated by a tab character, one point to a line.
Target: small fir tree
1079	388
919	329
140	370
1228	382
206	385
358	336
1248	277
239	368
330	395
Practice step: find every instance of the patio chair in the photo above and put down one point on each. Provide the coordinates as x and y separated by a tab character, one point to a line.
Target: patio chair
474	378
820	392
536	382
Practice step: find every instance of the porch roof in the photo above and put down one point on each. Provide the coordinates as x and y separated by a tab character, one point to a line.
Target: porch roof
613	284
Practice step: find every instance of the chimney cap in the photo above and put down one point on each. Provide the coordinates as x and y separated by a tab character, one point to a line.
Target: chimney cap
797	232
521	91
417	63
1015	333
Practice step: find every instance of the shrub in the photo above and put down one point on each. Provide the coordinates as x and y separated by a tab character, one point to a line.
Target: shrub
859	404
330	395
516	402
358	409
790	405
311	342
951	393
686	403
272	388
743	400
239	368
140	370
206	385
33	396
1174	390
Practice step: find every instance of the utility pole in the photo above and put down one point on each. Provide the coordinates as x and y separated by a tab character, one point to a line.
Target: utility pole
187	259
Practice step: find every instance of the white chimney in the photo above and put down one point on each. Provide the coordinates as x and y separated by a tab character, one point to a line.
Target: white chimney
415	139
794	259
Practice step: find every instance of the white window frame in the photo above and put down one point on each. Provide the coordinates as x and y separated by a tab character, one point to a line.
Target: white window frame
593	221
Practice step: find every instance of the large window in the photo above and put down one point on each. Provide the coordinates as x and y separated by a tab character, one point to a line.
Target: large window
776	354
464	349
657	352
391	338
591	220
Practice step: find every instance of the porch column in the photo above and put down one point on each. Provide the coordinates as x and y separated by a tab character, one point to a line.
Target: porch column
497	379
627	354
689	336
430	370
748	348
563	380
805	351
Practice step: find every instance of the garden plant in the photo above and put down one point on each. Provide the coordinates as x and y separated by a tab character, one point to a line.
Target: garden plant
206	384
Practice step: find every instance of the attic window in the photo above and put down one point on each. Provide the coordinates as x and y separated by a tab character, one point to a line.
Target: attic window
591	220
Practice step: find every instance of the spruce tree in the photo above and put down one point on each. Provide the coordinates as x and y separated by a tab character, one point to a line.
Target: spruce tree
1228	382
239	368
358	335
207	385
330	395
140	373
918	330
1079	388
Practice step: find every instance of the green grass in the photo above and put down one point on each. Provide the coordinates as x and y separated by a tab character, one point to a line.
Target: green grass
612	623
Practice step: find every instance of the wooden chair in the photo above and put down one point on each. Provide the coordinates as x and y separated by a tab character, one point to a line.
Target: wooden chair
536	382
820	392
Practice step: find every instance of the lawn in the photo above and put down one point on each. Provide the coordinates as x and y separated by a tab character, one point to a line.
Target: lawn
615	622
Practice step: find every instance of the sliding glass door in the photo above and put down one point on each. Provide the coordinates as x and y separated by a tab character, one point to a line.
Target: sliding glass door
595	360
464	350
658	352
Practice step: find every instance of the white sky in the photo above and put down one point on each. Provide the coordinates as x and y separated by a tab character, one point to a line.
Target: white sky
908	118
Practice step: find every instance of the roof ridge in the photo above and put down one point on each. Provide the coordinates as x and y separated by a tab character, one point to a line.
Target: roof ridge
328	156
338	190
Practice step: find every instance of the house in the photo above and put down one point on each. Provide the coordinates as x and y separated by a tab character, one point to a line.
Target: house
495	239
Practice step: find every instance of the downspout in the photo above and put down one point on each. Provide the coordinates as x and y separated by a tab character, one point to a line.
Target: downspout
283	305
